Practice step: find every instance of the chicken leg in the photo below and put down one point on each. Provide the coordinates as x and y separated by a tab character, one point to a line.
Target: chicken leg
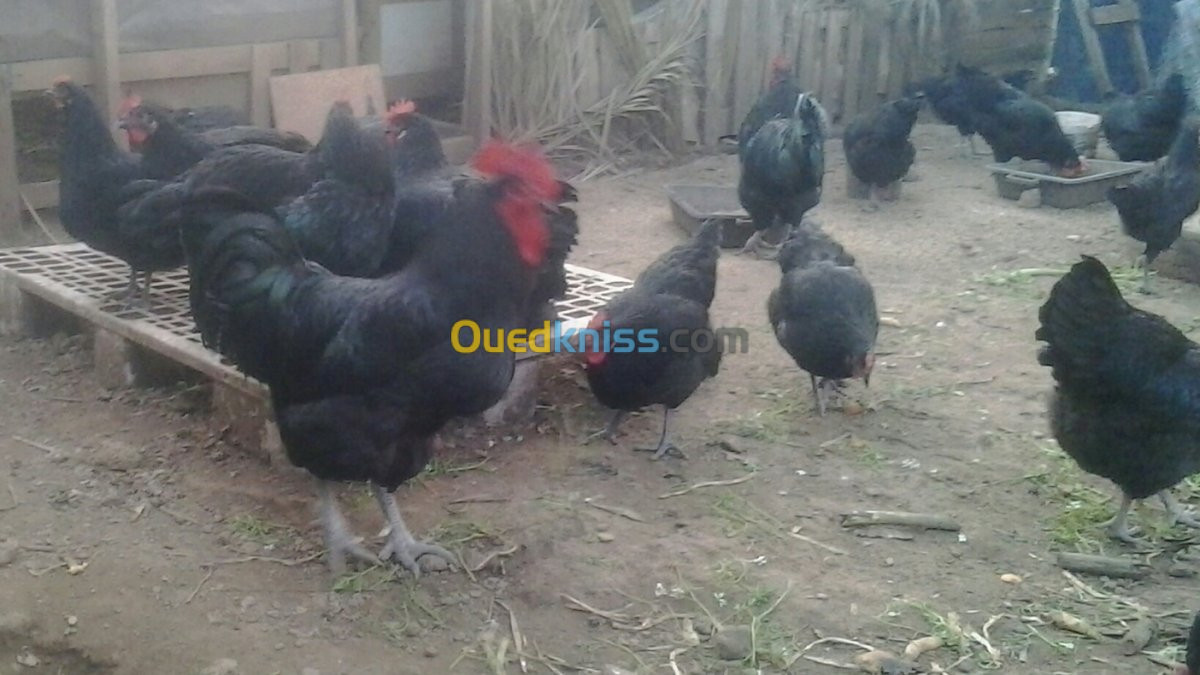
665	445
824	390
759	248
1118	527
609	432
339	540
1176	513
402	547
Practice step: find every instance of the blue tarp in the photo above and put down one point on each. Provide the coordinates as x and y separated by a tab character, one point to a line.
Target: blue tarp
1075	81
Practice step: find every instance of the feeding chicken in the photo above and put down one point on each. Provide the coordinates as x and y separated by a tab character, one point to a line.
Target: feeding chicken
1125	402
877	145
670	300
823	312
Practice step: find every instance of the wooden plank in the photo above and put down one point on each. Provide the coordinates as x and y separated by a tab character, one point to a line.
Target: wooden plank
106	83
1091	44
1119	13
854	66
303	55
349	37
477	85
832	81
809	61
883	67
589	68
1137	48
300	102
157	65
371	49
10	188
747	83
260	96
716	112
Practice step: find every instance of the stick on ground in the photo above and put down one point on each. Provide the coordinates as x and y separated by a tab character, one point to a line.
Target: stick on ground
928	521
1117	568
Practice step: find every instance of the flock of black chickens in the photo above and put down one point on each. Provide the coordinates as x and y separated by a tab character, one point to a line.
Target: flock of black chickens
334	273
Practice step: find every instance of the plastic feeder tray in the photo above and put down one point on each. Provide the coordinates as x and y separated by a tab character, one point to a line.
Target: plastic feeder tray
1063	193
691	205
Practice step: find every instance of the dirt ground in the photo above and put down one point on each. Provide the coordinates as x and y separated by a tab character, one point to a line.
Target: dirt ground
137	541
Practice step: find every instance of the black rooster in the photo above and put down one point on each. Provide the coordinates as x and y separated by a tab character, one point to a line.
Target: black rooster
1155	203
823	312
1126	404
1142	127
670	298
363	372
783	168
877	145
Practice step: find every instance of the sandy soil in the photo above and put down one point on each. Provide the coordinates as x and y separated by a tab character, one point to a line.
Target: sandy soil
191	546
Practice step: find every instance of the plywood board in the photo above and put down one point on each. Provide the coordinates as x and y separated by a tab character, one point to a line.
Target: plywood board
301	101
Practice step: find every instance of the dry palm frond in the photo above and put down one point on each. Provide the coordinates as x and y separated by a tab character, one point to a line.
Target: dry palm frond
538	75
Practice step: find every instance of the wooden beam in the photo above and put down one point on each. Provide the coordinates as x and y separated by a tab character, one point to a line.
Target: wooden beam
10	186
369	14
260	96
1137	46
349	33
716	80
1091	44
106	60
477	95
1119	13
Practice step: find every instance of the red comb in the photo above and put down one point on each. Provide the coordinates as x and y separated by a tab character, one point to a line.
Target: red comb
402	107
526	164
61	79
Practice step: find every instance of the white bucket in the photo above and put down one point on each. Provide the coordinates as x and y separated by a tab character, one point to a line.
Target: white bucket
1082	128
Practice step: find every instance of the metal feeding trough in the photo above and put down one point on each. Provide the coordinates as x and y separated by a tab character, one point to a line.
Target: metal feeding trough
1014	178
691	205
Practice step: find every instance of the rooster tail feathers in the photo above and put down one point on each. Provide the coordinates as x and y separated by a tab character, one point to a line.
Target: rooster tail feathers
1076	318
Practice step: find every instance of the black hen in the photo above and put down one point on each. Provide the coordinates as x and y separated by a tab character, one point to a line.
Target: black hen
823	312
344	221
877	145
783	168
363	372
1142	127
1015	124
1126	404
1192	659
949	102
668	303
1155	203
94	178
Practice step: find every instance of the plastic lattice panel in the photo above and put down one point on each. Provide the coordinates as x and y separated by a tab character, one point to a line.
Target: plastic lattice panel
98	277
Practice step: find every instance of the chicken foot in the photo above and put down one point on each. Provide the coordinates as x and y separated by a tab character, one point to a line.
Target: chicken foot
132	299
665	445
1118	527
609	432
402	547
824	390
1176	513
760	248
339	540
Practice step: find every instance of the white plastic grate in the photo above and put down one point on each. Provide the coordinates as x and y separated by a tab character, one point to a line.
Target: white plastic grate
83	281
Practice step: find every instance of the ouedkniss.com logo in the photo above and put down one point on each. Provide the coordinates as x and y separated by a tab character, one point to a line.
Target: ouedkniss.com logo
554	337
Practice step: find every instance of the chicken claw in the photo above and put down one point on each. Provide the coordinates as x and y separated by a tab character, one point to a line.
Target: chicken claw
1176	513
1118	527
402	547
609	432
339	540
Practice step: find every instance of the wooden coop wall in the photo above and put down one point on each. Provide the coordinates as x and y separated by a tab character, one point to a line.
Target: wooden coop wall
853	54
235	75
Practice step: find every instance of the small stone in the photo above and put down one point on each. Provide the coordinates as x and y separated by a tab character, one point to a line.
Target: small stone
734	643
889	561
72	620
1181	571
9	550
222	667
28	659
605	537
1010	578
430	652
702	626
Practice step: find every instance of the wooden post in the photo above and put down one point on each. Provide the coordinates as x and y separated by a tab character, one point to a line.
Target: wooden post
349	33
477	95
260	96
106	61
10	185
1091	44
